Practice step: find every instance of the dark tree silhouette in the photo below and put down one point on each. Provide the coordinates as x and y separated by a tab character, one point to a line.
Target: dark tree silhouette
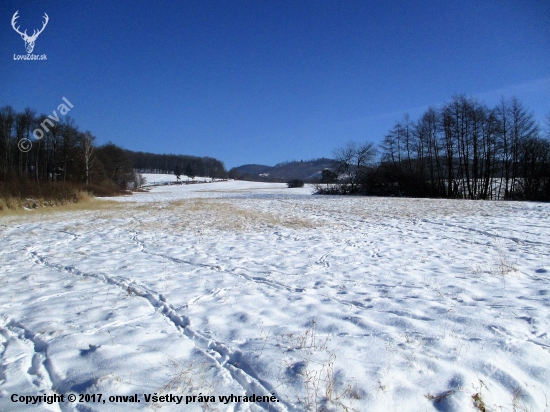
462	150
328	176
295	183
189	171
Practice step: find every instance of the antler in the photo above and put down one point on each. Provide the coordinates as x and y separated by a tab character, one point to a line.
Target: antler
34	34
15	17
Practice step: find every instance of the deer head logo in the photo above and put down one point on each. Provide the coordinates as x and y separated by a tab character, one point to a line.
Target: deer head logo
29	40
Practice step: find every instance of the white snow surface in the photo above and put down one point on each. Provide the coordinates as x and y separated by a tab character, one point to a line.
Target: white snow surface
152	179
329	303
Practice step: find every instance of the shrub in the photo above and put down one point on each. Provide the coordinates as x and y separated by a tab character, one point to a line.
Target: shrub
28	194
295	183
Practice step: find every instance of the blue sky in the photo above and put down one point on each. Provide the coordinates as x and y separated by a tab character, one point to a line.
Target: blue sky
268	81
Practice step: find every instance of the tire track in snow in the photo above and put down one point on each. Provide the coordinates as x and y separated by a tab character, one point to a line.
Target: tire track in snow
231	360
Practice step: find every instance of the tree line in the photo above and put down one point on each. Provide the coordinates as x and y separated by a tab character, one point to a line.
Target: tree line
463	149
64	153
170	163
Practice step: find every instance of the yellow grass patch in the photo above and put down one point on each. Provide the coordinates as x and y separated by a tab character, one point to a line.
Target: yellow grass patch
17	209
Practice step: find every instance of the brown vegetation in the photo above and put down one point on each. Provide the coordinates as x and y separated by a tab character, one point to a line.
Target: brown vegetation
25	194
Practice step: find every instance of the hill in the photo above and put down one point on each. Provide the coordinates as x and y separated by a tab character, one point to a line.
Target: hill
308	171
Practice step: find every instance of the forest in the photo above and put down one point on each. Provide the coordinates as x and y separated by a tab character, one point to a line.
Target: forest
463	149
67	154
167	163
66	161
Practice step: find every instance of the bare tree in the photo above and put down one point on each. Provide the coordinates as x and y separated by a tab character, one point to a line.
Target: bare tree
353	161
88	151
523	128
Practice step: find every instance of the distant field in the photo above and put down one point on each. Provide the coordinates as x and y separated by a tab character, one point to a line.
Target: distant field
159	178
328	303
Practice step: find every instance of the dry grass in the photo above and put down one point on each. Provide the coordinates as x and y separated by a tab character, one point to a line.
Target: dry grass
479	404
24	194
188	378
197	215
518	404
11	203
215	214
310	357
26	198
498	264
441	396
228	216
90	204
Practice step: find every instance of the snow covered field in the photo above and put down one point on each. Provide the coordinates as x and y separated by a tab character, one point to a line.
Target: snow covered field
154	179
238	288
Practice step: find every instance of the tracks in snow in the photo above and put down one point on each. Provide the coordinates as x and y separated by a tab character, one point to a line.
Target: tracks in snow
521	242
231	360
31	360
240	272
224	357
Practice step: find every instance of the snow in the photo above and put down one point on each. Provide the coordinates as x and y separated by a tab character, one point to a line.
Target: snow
369	304
153	179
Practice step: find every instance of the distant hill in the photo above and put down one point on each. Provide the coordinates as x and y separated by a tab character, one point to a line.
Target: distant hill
308	171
